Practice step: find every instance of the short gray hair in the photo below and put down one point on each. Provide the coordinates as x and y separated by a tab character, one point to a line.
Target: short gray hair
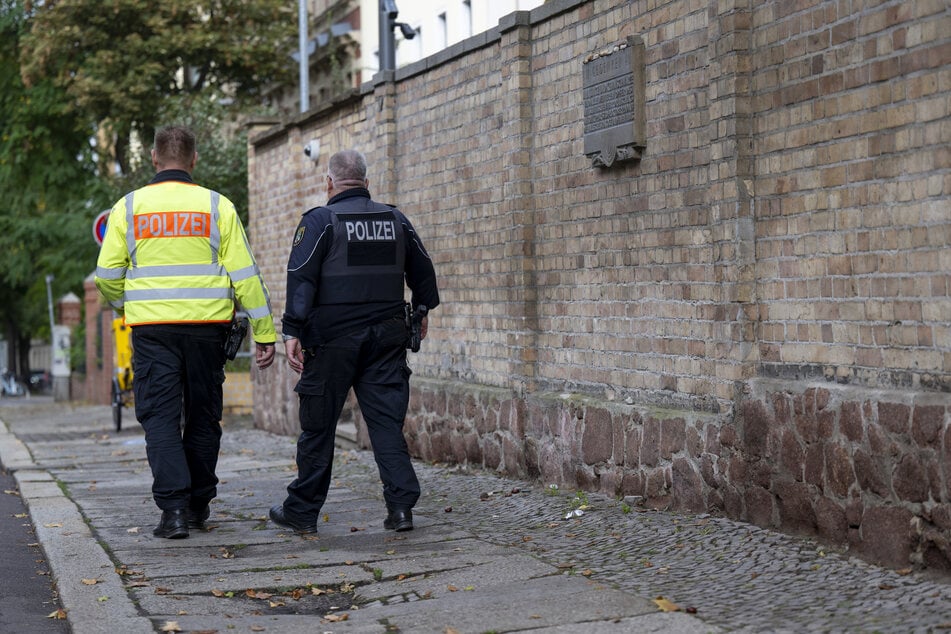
348	168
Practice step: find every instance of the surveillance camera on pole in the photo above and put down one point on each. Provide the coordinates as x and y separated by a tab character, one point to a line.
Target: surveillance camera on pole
388	14
407	31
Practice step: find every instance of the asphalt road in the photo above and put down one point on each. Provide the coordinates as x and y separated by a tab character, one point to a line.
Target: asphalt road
26	587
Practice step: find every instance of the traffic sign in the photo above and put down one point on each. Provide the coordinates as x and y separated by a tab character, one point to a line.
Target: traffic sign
99	226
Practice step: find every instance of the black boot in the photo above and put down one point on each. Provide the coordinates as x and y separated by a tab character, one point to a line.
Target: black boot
278	516
399	518
196	518
174	525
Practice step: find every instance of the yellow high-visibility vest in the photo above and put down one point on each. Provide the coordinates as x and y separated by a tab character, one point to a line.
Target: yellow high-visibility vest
175	252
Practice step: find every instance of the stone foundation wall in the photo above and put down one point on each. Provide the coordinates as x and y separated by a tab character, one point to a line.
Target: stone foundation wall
864	470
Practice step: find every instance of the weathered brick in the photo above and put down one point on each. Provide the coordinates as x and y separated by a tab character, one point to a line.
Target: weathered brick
727	255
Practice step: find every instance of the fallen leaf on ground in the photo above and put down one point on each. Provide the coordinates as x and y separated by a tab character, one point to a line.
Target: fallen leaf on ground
58	615
336	618
123	571
11	492
90	582
132	531
53	525
452	588
20	516
170	626
666	605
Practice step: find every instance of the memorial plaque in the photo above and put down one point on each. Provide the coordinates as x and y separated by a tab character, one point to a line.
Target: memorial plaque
614	103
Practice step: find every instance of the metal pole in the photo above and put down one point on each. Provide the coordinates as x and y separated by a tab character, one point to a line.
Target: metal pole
49	302
304	58
387	42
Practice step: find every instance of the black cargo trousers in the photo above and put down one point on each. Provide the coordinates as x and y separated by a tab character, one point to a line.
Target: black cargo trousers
372	361
179	372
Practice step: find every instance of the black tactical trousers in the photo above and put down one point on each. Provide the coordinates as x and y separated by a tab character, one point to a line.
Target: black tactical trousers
179	371
373	362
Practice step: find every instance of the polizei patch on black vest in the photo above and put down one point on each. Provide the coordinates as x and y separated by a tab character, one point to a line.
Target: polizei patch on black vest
371	238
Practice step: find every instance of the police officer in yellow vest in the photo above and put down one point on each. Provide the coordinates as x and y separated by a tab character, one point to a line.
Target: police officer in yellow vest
175	260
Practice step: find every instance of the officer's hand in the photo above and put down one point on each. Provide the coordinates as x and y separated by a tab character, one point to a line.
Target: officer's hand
295	355
263	354
423	327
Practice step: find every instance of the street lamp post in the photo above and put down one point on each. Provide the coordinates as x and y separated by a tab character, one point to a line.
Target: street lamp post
304	69
49	302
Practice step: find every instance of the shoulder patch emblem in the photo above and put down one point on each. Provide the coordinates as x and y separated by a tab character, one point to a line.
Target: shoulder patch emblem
299	235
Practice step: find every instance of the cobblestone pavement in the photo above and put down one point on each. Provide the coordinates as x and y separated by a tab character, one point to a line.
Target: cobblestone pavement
737	576
729	575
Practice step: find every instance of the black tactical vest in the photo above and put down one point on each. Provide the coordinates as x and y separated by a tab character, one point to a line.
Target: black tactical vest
366	262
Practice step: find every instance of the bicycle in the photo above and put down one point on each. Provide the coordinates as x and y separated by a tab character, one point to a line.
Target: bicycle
122	395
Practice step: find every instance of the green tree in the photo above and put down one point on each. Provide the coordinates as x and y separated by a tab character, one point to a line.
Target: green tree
48	189
121	60
83	84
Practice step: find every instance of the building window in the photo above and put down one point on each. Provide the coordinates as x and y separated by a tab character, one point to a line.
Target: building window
466	18
443	30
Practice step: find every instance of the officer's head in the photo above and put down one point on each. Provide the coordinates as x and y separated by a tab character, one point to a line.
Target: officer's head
174	148
347	169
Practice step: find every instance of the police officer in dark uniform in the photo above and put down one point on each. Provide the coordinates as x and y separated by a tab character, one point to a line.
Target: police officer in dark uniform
345	327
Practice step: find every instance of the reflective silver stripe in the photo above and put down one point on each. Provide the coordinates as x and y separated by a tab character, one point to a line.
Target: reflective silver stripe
258	313
110	274
215	235
174	270
245	273
117	304
177	293
130	228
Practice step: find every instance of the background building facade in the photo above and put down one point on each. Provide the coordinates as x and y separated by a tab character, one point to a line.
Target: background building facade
344	40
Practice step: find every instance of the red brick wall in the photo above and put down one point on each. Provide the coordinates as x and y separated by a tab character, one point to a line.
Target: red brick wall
734	323
100	358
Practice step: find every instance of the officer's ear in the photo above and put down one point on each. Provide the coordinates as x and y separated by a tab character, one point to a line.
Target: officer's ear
191	167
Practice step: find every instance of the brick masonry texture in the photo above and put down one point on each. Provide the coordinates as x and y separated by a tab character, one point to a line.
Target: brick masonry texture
752	319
